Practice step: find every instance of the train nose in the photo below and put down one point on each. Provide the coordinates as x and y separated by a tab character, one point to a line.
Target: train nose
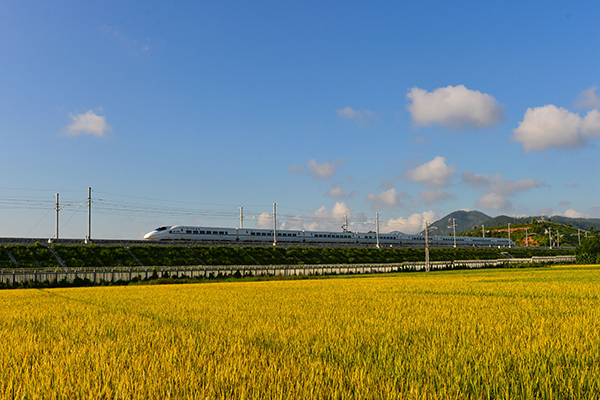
149	235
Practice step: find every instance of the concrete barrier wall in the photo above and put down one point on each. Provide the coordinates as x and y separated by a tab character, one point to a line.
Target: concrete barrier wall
126	274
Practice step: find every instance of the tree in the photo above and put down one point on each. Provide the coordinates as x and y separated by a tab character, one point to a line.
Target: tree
589	251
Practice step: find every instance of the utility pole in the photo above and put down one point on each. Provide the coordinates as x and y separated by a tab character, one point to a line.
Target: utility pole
274	224
426	247
509	235
57	210
483	230
550	236
89	202
454	230
427	263
345	226
241	217
377	227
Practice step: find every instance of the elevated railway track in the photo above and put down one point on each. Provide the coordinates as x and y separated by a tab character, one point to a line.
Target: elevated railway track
141	242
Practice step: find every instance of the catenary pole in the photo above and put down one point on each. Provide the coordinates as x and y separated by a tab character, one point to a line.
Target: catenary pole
377	227
426	247
57	210
274	224
89	235
454	230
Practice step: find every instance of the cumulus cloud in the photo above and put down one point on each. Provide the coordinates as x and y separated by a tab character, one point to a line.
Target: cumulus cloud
496	196
575	214
336	192
476	180
264	221
435	196
570	213
361	117
411	225
588	99
454	107
323	171
549	127
493	201
323	219
387	198
88	124
434	173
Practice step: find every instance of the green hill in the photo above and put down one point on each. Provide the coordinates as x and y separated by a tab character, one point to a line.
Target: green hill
465	221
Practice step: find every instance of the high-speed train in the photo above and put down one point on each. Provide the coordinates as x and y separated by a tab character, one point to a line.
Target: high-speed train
200	233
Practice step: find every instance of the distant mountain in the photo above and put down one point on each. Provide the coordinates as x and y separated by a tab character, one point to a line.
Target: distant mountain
465	221
585	224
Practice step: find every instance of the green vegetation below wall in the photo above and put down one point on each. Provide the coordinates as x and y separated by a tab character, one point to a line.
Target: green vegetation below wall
78	256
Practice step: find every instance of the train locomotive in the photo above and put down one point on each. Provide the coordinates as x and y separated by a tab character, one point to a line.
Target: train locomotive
202	233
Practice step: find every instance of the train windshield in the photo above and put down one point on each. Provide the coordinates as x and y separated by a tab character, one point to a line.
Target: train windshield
162	228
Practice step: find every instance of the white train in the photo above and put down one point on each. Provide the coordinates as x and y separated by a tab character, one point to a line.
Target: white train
200	233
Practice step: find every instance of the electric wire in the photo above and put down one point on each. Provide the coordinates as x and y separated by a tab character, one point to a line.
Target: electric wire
107	206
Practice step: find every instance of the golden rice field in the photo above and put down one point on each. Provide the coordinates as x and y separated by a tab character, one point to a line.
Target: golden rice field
502	334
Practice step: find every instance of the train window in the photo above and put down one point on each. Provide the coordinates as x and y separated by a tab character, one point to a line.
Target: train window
162	228
202	232
195	232
221	233
188	231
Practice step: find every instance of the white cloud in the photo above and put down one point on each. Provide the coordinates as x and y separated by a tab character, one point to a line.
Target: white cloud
455	107
575	214
388	198
324	170
496	196
88	124
434	173
588	99
322	219
411	225
336	192
476	180
549	127
361	117
264	221
493	201
570	213
435	196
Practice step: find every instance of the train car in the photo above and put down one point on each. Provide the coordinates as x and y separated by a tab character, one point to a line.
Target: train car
199	233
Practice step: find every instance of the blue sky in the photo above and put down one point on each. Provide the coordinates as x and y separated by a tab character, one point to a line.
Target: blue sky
182	112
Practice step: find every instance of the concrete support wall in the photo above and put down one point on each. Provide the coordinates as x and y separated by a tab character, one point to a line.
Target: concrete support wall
126	274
